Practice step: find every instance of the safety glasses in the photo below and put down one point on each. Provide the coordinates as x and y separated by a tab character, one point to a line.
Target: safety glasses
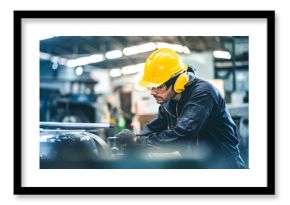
158	89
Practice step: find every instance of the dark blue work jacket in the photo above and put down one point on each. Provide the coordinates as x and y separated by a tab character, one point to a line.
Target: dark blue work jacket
199	126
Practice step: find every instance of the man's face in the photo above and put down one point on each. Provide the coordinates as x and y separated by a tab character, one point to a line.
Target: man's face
162	94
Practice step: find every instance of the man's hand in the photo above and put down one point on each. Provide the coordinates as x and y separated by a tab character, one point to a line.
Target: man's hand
127	137
138	146
141	140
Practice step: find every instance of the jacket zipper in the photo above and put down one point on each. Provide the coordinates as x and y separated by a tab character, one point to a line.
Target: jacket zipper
176	108
169	112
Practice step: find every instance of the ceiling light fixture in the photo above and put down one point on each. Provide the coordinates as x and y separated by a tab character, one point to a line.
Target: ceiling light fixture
115	72
114	54
222	55
85	60
146	47
131	69
79	70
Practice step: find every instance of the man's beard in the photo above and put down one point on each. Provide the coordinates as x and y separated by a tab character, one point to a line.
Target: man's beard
161	100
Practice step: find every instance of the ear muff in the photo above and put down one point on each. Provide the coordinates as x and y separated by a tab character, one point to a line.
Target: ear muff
180	83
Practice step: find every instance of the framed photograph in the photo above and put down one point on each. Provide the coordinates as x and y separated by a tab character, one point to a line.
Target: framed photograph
144	102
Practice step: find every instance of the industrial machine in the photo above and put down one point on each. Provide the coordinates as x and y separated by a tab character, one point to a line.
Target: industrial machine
71	145
74	146
77	105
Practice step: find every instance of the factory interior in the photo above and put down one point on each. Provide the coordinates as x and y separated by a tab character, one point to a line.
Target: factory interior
89	92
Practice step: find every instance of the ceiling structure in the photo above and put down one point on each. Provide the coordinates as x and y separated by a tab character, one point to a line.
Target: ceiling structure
72	47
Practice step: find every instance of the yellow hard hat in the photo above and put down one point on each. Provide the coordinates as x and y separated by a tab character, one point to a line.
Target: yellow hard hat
160	66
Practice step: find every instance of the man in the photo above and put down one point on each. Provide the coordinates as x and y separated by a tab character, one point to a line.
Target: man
193	118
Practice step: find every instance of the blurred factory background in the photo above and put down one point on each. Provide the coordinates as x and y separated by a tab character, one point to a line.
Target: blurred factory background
94	78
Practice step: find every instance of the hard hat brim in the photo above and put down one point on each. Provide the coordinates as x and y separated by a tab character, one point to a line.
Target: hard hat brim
148	84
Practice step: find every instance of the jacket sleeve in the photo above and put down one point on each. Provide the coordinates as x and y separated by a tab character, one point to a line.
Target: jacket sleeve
192	118
157	125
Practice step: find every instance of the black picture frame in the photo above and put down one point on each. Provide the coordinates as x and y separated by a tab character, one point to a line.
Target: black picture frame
19	189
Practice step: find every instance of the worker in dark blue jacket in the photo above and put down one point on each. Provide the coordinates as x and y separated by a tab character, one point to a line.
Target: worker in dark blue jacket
193	118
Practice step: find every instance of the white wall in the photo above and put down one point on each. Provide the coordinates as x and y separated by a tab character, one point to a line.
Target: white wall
203	62
103	77
282	95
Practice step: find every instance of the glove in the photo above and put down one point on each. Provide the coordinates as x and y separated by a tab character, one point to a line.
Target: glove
127	137
141	140
147	143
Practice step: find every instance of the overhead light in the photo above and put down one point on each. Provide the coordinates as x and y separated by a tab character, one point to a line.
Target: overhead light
95	58
71	63
116	72
114	54
131	69
85	60
175	47
44	56
130	50
186	50
163	45
222	55
139	49
146	47
54	59
79	70
62	61
178	48
54	66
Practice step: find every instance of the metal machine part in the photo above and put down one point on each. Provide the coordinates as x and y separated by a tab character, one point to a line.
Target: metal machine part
73	126
79	149
120	142
72	146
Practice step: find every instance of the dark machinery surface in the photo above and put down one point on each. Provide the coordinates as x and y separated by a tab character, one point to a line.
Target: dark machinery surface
78	105
72	146
62	146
